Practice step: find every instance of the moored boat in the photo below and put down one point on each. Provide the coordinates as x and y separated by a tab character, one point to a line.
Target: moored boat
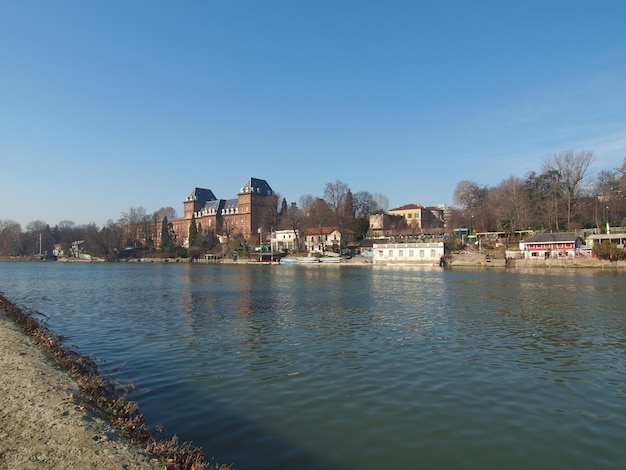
307	259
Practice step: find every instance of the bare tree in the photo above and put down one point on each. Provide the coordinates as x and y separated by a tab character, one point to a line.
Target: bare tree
319	214
510	204
572	168
622	172
306	201
382	201
335	195
545	198
364	204
135	223
67	231
168	212
607	194
11	238
471	196
293	220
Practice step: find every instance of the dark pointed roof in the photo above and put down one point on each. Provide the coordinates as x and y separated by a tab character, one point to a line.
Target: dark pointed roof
201	194
231	204
215	205
256	186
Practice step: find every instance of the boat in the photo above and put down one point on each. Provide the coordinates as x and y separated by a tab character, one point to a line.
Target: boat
307	259
329	259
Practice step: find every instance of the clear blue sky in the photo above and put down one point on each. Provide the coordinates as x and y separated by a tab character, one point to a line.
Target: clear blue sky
107	105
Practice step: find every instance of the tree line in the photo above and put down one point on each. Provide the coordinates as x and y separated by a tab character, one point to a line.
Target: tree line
108	242
561	196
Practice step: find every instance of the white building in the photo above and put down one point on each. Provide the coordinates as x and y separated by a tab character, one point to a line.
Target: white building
285	240
408	253
618	239
322	239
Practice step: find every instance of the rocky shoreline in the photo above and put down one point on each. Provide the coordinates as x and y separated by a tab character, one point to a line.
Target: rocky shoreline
56	411
44	423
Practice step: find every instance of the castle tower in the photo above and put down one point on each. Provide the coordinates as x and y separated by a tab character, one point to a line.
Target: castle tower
256	201
196	200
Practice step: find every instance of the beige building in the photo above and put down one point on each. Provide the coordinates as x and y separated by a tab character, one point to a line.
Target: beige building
420	217
321	239
285	240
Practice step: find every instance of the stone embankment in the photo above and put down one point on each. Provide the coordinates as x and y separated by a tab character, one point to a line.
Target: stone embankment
489	260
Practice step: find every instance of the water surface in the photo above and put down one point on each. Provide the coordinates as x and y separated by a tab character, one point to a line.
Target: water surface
339	367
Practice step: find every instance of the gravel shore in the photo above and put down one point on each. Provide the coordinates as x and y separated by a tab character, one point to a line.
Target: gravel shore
44	424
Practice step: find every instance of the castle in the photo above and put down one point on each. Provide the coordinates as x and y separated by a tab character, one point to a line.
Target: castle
254	208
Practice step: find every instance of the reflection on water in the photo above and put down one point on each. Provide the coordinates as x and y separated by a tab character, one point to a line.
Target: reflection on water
345	367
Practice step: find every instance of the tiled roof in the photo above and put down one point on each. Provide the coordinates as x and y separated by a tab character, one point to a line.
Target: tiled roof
325	230
256	186
201	194
552	237
216	205
231	204
407	207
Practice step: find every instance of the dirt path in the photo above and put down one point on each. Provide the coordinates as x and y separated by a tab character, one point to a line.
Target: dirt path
42	422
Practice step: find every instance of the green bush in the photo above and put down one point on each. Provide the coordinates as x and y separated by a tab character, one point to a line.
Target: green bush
608	250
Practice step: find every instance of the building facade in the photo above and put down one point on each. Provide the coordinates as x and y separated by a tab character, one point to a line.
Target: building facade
384	225
252	209
321	239
285	241
420	217
552	245
408	253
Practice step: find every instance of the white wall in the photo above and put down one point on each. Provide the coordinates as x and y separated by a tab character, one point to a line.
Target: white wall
407	253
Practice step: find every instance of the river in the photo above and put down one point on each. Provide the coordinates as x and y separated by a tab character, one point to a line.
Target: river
342	367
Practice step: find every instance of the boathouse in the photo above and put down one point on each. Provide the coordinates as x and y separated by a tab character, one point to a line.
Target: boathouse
408	253
552	245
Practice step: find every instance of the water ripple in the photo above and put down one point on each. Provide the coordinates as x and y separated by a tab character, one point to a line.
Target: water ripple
356	367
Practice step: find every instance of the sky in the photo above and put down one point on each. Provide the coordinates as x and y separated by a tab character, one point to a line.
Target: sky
108	105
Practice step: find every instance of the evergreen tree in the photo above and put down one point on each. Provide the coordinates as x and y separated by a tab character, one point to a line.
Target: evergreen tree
166	240
193	232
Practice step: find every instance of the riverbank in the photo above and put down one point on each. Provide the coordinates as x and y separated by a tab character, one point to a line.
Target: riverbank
489	261
52	409
44	422
455	260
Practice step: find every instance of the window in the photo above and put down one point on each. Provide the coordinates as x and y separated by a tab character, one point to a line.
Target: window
411	254
409	216
400	253
433	253
391	253
421	253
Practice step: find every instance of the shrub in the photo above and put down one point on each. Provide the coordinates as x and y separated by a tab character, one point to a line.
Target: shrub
608	250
